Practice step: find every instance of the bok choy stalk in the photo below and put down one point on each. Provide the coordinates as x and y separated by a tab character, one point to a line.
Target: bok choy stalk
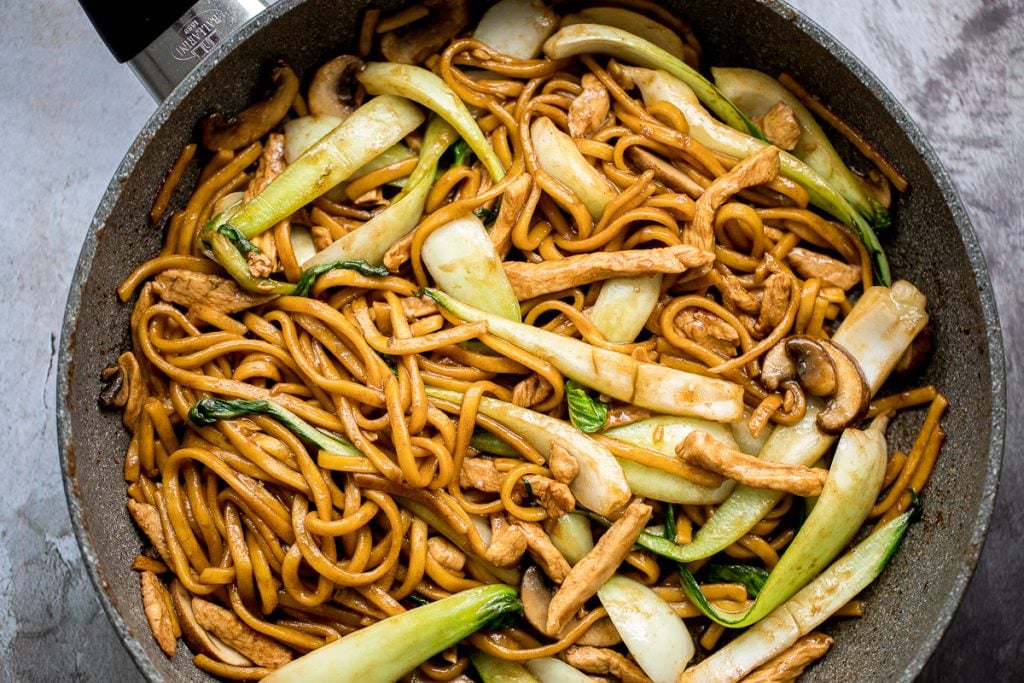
755	92
424	87
659	86
371	240
653	633
302	133
853	484
797	617
551	670
599	485
661	434
646	385
595	38
371	129
517	28
385	651
878	330
633	23
463	262
208	410
624	304
495	670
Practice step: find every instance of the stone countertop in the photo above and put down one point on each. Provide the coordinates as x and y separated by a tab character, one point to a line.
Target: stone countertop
72	112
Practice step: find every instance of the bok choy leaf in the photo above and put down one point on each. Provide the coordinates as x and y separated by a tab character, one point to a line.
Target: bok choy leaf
586	413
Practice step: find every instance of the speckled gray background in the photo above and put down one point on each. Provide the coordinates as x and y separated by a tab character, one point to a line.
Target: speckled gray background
71	112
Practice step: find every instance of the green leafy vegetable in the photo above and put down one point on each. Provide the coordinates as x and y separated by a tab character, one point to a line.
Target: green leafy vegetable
486	215
208	410
752	578
461	153
238	239
586	413
488	443
309	276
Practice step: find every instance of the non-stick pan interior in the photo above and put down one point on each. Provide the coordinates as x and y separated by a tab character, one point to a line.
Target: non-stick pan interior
931	244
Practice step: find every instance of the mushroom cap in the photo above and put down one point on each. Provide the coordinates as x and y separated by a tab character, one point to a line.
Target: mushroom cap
777	367
332	89
814	367
414	43
850	402
253	123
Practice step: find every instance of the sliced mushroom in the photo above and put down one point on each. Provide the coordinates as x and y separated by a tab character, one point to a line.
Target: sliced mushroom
850	402
536	597
777	367
198	639
253	123
413	43
814	368
917	354
332	91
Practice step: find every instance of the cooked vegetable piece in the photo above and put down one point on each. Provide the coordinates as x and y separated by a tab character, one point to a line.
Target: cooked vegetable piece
551	670
517	28
853	484
591	38
620	376
208	410
631	22
815	603
755	92
586	413
359	658
464	263
370	130
656	637
422	86
496	670
371	240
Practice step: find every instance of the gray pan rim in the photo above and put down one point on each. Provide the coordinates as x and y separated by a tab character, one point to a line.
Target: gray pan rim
929	640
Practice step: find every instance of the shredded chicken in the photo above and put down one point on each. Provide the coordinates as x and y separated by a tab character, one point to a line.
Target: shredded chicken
270	165
554	496
701	449
239	636
590	108
790	664
530	280
480	474
446	553
322	237
733	290
413	307
531	391
398	253
508	542
597	566
757	169
512	202
774	302
808	264
593	660
708	330
187	287
665	173
548	557
779	124
156	605
148	519
562	463
624	413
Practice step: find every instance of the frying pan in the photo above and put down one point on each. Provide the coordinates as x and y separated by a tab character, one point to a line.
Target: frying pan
931	244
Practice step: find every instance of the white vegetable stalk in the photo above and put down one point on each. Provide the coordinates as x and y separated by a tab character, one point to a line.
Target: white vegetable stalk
371	240
495	670
370	130
517	28
624	304
571	535
464	263
646	385
662	434
600	485
422	86
631	22
655	636
806	610
551	670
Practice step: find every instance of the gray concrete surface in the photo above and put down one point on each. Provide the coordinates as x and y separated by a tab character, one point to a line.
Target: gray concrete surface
70	112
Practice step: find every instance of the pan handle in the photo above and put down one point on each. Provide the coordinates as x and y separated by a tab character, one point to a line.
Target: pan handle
163	41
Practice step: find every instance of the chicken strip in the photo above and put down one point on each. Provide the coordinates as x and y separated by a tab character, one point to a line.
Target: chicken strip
187	288
530	280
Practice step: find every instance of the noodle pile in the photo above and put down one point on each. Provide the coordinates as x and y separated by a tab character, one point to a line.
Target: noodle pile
300	546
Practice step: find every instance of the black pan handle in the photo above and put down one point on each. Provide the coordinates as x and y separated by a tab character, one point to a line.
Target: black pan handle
163	40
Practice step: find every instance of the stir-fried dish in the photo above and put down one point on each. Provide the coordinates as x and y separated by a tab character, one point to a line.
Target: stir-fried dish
519	349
